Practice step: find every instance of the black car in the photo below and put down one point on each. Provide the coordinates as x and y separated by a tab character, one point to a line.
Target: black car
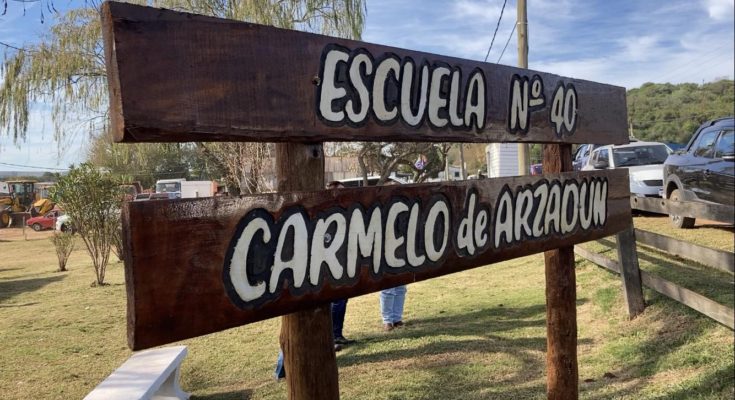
705	170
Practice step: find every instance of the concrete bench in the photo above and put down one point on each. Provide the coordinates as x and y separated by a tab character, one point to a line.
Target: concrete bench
150	374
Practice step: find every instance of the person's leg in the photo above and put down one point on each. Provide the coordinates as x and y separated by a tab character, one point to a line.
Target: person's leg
386	305
280	369
399	300
339	308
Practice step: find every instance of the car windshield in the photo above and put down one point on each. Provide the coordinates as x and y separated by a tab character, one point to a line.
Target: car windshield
168	187
640	155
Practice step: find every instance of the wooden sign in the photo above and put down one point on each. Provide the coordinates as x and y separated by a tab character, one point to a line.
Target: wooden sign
203	265
176	77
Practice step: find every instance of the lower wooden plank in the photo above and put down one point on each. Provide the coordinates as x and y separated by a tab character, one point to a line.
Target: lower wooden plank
630	271
710	308
714	212
694	300
718	259
197	266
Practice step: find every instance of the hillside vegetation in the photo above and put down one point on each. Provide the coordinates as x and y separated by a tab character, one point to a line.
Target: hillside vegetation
671	113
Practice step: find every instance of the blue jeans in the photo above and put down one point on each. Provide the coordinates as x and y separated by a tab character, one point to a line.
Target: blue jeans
280	371
391	304
339	308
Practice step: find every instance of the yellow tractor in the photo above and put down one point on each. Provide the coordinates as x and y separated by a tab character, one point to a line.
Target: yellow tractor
18	199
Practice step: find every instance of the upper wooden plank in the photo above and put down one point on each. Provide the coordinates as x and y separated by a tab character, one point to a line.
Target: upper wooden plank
197	266
177	77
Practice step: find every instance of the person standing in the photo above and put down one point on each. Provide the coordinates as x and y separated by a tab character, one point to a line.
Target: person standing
392	300
339	307
391	307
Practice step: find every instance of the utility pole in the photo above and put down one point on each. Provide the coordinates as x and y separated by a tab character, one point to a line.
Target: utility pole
524	162
630	127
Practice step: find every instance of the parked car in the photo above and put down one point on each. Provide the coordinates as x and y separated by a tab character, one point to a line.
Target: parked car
537	169
42	222
705	170
581	156
644	161
63	224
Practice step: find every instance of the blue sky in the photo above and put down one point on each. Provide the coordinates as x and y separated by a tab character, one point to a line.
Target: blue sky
625	43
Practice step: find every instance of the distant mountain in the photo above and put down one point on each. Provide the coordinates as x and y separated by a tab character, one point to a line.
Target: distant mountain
39	175
671	113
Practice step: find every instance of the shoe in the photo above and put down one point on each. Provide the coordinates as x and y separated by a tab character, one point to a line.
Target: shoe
337	347
398	324
388	327
343	340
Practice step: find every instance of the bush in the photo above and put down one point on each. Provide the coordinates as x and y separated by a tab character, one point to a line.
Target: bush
92	199
64	245
117	244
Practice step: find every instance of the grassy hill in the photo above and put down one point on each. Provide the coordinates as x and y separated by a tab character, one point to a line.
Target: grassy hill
671	113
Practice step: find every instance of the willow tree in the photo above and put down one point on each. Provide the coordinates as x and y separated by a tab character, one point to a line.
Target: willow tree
66	68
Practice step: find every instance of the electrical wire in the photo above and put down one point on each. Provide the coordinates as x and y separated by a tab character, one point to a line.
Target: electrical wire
14	47
33	166
506	43
496	30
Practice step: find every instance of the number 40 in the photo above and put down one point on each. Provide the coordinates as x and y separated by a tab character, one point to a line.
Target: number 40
564	109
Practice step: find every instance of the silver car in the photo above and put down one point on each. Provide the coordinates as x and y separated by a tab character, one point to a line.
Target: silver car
644	161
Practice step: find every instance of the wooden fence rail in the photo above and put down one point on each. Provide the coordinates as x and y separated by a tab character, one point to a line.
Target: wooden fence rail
715	212
710	308
718	259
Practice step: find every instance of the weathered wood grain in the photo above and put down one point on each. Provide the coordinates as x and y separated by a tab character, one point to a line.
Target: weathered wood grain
718	259
712	309
177	77
715	212
175	251
306	336
631	272
562	371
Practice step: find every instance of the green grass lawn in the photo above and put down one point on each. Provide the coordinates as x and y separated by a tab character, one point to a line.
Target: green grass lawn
479	334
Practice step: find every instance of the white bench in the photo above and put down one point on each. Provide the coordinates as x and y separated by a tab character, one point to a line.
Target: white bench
150	374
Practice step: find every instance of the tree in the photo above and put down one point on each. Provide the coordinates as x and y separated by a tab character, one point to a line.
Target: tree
92	200
423	160
67	70
149	162
243	165
671	113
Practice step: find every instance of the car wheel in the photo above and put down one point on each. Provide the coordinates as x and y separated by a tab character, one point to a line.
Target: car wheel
677	220
37	227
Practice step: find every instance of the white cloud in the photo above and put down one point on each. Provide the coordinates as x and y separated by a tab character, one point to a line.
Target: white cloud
720	10
485	11
641	48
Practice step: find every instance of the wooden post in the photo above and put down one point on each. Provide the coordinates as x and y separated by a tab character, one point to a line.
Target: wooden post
522	28
561	295
306	336
630	272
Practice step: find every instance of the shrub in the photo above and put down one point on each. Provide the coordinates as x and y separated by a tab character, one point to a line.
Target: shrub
92	199
64	244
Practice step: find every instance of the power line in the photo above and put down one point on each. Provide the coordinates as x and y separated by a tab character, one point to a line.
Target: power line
496	30
14	47
684	67
506	43
34	166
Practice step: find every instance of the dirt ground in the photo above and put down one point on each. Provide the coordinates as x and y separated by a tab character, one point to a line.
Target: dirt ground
16	234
